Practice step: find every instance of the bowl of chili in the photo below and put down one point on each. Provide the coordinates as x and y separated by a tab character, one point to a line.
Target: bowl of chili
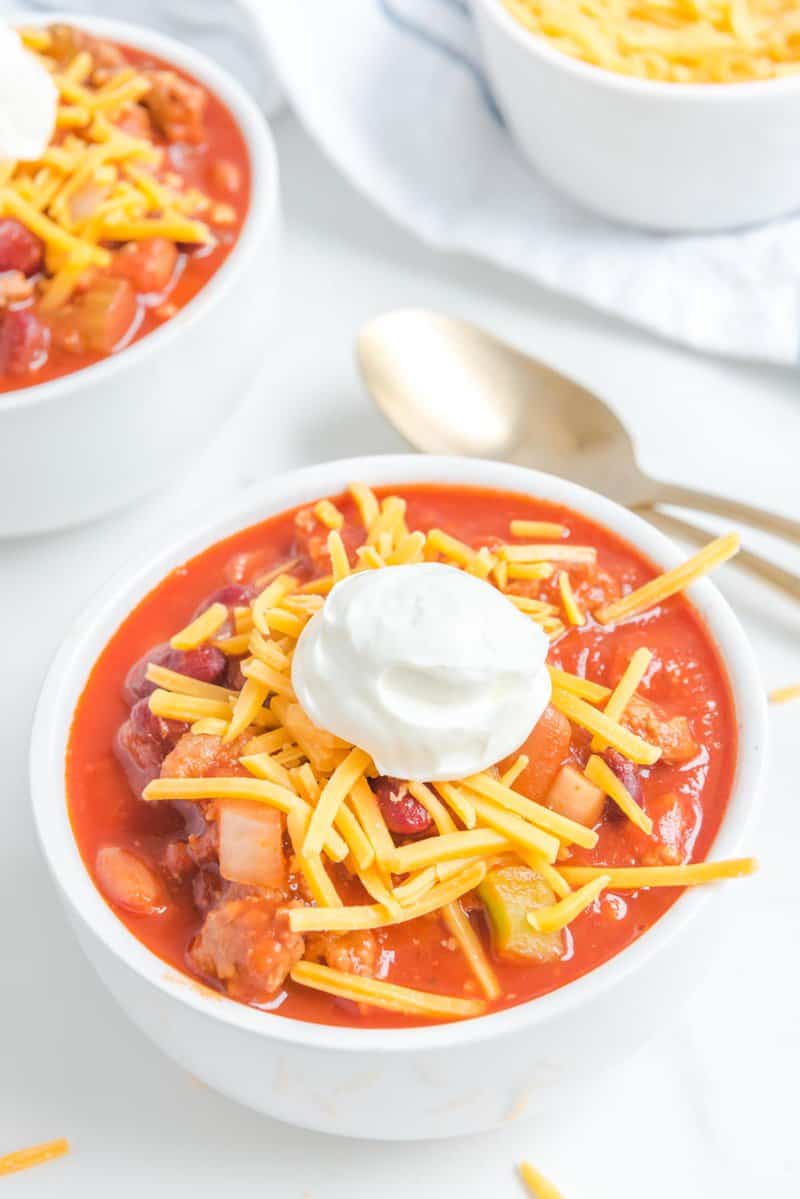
461	967
137	268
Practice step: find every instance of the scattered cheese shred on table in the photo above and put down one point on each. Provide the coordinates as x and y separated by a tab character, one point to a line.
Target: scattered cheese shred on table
782	695
539	1186
35	1155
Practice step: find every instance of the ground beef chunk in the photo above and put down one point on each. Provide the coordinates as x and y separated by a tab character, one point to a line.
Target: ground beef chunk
246	943
199	755
673	735
176	106
198	850
355	953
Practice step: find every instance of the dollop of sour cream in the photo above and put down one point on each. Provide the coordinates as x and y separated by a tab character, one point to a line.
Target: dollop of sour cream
429	669
28	100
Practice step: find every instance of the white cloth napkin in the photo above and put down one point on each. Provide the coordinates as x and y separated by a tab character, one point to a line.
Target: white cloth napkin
392	90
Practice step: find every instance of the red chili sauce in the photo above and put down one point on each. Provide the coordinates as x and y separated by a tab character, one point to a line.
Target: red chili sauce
685	798
149	279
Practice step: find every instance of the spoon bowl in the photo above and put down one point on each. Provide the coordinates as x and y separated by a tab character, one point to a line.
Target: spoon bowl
451	387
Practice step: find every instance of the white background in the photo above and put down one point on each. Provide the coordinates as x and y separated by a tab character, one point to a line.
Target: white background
709	1107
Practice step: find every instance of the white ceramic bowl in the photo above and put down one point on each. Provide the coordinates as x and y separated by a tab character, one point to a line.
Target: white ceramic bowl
398	1084
76	447
663	156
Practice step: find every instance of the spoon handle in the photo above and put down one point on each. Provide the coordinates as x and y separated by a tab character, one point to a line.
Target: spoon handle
760	518
763	567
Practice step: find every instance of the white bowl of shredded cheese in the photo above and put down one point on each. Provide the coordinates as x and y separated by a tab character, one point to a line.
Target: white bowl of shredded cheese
655	153
99	437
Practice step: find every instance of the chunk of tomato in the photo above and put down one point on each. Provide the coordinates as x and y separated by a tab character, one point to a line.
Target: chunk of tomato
546	748
98	319
148	264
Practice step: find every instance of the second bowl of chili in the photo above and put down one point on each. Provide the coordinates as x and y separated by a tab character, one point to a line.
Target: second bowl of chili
137	267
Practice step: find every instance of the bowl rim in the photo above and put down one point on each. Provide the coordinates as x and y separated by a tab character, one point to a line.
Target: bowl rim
79	650
539	47
262	211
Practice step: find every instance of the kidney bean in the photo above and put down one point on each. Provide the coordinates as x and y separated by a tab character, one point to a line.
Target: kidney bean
207	888
137	685
139	755
24	342
626	772
206	663
20	250
129	882
233	676
164	732
232	595
403	814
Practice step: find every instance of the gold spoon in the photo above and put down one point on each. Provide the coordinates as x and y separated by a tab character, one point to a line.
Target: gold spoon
450	387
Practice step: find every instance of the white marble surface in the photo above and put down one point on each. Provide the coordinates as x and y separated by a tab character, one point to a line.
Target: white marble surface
709	1107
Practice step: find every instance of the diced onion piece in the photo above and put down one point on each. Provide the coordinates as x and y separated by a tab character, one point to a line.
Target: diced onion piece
251	843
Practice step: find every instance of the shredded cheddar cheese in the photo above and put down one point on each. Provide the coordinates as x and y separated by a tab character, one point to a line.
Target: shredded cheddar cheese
366	503
706	41
472	949
782	695
340	565
459	803
479	842
329	514
595	693
366	916
36	1155
549	553
630	878
202	629
600	773
184	684
316	876
613	733
537	528
625	690
451	548
539	1186
438	812
671	581
388	996
512	774
335	791
572	608
558	915
544	817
